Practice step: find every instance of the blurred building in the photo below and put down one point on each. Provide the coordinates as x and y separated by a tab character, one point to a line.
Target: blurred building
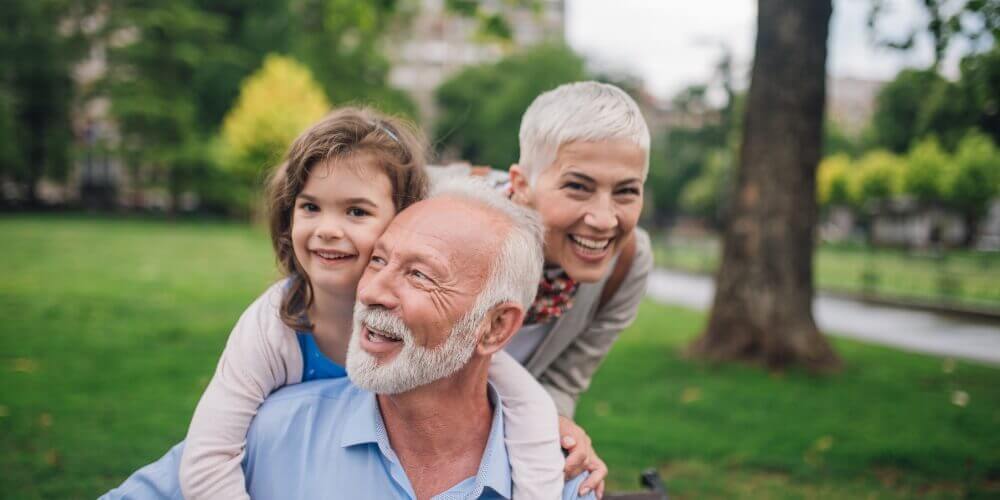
850	102
439	42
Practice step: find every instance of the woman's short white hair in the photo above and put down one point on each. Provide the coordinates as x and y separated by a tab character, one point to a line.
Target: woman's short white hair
580	111
517	268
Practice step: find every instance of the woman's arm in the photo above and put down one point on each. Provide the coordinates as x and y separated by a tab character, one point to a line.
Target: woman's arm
260	356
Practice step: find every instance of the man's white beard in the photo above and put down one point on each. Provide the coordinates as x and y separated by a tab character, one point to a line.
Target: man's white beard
414	365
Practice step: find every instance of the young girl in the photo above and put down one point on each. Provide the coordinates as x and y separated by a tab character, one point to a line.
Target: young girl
341	184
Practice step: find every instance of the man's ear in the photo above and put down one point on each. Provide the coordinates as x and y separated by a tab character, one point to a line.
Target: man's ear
519	183
504	321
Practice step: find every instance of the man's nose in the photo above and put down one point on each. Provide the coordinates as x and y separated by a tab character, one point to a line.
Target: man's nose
601	214
375	289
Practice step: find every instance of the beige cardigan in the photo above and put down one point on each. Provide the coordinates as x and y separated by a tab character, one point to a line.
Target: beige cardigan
572	350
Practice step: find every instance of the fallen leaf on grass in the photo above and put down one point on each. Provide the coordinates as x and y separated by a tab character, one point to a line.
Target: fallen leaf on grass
45	420
960	398
690	395
24	365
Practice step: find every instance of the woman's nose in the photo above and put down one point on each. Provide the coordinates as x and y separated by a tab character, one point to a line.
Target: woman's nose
601	215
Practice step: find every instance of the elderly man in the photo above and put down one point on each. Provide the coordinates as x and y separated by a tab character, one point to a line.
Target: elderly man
446	289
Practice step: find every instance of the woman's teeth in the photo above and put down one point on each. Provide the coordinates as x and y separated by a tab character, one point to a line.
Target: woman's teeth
590	244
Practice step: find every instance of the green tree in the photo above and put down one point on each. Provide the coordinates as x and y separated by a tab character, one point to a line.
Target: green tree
975	21
149	80
878	176
762	310
274	106
833	181
898	106
481	106
924	173
40	42
974	181
705	195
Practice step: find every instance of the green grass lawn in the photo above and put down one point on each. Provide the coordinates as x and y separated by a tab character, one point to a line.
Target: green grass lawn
959	277
112	329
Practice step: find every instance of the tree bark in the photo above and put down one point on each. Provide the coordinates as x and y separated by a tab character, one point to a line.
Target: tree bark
762	310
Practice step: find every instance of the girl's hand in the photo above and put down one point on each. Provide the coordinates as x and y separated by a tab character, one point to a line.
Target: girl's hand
581	456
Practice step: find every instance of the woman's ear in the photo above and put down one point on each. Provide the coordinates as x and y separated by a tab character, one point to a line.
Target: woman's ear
504	321
519	184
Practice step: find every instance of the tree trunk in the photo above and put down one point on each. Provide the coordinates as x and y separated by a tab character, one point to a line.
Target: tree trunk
763	304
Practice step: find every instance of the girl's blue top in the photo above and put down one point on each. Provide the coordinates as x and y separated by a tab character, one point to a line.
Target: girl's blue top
315	364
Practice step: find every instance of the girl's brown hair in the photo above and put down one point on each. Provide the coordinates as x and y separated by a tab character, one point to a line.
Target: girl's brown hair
396	147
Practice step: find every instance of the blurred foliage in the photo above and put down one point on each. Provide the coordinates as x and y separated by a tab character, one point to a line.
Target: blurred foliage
918	103
833	182
879	176
926	165
976	22
975	178
965	181
275	104
155	50
480	107
40	41
174	71
706	195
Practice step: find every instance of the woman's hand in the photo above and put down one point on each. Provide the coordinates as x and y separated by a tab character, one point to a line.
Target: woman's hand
581	456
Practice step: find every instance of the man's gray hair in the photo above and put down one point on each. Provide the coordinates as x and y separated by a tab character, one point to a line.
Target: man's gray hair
517	268
582	111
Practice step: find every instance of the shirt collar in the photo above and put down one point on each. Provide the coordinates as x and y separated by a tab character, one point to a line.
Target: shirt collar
364	425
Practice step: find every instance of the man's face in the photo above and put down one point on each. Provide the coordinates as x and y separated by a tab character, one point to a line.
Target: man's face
415	320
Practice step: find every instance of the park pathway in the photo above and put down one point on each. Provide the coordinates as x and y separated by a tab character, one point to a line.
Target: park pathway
907	329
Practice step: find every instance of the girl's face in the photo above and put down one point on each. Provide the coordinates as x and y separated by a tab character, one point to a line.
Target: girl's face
341	211
589	199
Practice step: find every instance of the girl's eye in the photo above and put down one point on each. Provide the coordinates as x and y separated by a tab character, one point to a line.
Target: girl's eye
357	212
309	206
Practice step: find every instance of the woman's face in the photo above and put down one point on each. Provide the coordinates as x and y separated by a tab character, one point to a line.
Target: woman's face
343	208
589	199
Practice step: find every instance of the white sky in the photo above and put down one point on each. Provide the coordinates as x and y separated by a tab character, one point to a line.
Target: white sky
674	43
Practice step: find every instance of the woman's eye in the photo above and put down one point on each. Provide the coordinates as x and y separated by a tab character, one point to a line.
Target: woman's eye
629	191
575	186
376	261
418	274
357	212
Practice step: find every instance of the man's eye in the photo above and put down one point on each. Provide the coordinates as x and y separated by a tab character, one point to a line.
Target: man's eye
357	212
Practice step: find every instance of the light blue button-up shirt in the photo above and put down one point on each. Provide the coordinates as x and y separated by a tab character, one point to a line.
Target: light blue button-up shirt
326	439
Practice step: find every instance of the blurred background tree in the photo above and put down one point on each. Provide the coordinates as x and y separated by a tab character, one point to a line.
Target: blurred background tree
275	104
40	41
481	106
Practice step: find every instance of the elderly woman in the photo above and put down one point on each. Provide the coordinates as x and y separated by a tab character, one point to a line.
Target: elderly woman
584	159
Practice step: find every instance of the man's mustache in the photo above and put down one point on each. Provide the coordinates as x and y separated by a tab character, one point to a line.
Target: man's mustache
381	320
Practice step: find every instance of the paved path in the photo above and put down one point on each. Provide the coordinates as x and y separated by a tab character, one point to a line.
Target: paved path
906	329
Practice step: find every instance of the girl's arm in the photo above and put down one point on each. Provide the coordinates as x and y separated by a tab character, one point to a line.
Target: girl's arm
531	431
261	355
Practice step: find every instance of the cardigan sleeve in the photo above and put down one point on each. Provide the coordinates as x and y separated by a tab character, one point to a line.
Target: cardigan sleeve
260	356
570	373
